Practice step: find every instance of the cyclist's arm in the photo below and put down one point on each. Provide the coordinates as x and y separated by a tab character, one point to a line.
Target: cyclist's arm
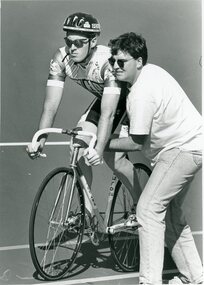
50	107
109	104
51	104
54	91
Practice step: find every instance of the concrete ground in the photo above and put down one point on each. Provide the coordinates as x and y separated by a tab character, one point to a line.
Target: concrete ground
94	266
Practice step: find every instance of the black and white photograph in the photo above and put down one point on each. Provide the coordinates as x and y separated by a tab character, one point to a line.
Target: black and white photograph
101	142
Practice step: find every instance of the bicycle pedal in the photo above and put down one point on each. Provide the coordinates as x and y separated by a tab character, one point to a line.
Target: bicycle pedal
131	221
133	226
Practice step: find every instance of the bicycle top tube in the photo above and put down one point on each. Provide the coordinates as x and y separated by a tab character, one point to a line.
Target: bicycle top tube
65	132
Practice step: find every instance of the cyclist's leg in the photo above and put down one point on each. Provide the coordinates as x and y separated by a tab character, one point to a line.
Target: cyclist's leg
123	167
88	123
125	171
87	170
84	141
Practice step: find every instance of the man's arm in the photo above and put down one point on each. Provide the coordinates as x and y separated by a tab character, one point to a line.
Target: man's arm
130	143
50	107
52	101
108	108
53	96
109	104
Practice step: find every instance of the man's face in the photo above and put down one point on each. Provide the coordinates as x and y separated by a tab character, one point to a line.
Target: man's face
78	47
125	66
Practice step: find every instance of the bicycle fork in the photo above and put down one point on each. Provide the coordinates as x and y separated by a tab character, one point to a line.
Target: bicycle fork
64	219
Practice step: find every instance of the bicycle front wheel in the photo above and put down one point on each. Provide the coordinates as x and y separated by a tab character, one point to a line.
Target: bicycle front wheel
56	224
124	244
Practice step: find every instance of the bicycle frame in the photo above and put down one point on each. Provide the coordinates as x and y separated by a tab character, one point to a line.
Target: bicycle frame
102	223
78	175
62	220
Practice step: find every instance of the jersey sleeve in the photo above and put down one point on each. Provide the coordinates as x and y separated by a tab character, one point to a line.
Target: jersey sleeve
57	73
106	72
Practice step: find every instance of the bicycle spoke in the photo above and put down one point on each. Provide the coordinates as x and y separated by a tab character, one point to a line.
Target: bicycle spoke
56	229
124	241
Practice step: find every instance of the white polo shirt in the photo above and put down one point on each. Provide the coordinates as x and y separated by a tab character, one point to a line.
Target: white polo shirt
157	106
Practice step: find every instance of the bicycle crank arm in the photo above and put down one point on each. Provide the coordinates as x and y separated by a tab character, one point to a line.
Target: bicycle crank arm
120	227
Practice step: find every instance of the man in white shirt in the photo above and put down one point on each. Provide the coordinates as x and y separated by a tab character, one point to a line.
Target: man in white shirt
167	127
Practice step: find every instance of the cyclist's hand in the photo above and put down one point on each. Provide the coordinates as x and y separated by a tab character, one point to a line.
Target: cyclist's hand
92	157
35	152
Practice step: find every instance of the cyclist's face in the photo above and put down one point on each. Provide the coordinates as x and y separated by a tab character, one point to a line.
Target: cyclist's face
78	46
125	66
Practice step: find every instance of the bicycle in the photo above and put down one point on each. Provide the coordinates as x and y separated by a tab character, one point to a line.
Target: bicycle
59	222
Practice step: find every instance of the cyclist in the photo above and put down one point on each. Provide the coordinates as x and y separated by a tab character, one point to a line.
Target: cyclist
86	63
166	125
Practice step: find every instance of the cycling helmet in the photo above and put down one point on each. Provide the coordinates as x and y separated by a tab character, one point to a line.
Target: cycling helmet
82	22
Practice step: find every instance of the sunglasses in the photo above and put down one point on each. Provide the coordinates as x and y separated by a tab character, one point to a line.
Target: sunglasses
77	43
120	62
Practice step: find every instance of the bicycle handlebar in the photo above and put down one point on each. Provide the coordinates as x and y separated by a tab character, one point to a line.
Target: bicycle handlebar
63	131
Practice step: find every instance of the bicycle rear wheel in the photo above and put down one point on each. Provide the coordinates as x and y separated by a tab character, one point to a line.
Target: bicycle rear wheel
56	227
124	244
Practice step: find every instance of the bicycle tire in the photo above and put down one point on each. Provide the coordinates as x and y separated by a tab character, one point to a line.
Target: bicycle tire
54	237
124	245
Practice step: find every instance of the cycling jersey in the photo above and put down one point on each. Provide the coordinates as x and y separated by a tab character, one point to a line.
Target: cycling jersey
90	77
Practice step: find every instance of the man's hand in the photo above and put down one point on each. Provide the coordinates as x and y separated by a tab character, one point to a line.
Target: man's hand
92	157
35	152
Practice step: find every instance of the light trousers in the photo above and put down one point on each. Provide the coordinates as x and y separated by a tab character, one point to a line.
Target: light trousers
161	218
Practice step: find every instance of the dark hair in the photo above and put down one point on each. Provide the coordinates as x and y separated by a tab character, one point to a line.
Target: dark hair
132	43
